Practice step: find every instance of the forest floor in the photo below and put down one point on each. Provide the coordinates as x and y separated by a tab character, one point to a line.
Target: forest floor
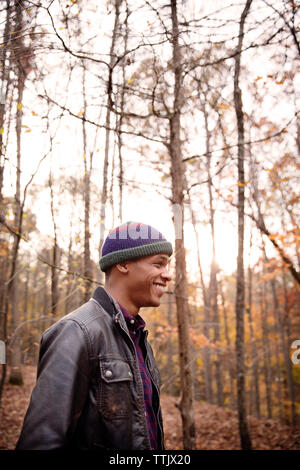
216	427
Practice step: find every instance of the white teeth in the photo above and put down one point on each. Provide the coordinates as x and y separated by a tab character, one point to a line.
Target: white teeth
160	288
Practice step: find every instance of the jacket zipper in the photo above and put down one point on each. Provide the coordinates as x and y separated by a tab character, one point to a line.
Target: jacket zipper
117	319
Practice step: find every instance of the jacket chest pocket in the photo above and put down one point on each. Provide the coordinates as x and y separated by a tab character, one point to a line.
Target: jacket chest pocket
114	396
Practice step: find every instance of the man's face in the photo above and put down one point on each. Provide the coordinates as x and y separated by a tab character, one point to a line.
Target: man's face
147	280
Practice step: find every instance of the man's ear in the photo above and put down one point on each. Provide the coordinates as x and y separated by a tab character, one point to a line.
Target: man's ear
123	267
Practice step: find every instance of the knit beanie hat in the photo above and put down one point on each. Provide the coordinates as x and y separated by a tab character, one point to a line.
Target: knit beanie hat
132	240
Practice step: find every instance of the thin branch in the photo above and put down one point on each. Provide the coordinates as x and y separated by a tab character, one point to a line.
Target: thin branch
82	118
263	139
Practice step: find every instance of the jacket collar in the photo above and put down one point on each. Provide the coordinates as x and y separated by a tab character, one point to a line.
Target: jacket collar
110	305
105	300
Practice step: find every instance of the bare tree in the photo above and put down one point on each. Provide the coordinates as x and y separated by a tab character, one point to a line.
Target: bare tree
177	173
213	284
55	254
5	82
253	348
206	311
109	92
240	288
266	348
88	161
19	52
121	116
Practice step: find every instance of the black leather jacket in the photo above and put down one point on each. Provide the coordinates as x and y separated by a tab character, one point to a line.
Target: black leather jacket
89	391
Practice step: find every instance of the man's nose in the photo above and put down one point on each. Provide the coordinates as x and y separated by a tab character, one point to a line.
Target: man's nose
166	274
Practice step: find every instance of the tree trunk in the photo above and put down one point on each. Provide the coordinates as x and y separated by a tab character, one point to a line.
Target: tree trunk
279	336
284	328
5	80
181	292
231	370
3	95
240	288
266	351
15	356
206	319
55	255
87	175
109	91
254	355
69	283
213	285
120	121
170	347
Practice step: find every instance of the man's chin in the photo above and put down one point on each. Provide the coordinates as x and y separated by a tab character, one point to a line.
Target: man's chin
152	303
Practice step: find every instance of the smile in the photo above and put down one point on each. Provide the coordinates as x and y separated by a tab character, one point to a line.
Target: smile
160	287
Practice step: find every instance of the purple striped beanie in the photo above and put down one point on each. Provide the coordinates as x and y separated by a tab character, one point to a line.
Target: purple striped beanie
132	240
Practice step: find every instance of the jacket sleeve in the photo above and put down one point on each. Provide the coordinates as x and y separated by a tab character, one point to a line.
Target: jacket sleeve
61	388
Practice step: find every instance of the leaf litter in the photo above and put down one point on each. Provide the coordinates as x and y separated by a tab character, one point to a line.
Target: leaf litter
216	427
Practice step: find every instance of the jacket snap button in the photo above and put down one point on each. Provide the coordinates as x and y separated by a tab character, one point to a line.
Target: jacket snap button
108	373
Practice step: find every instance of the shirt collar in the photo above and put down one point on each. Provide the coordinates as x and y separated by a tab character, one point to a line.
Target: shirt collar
136	323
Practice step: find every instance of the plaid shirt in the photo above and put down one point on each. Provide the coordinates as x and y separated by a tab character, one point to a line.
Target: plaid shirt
135	326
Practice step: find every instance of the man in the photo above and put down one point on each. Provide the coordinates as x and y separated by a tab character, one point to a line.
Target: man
97	383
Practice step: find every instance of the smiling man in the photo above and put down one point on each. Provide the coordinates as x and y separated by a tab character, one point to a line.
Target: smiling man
97	384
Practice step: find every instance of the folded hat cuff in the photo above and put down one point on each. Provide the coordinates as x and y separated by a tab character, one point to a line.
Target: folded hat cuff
136	252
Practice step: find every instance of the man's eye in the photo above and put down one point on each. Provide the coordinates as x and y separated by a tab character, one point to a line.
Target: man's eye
158	264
